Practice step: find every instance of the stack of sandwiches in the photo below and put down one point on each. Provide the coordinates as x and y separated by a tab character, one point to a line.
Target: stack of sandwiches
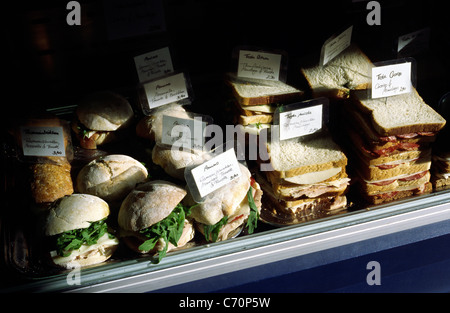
441	170
390	144
307	180
254	100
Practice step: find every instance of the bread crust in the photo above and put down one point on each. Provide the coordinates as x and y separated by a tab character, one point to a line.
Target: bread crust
50	182
74	212
148	204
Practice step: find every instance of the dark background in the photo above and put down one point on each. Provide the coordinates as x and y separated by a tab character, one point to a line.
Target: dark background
47	63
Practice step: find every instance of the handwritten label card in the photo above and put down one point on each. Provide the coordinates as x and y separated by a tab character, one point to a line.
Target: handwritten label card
300	122
181	132
216	173
152	65
259	65
335	45
43	141
166	90
391	80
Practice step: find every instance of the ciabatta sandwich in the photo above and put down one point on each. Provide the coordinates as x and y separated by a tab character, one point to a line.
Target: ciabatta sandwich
99	117
77	231
227	209
153	220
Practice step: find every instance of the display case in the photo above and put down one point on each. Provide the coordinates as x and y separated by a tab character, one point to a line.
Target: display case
393	247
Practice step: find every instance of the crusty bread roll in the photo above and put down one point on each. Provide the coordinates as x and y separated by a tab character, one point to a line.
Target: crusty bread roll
174	161
99	117
150	127
75	212
148	204
105	111
111	177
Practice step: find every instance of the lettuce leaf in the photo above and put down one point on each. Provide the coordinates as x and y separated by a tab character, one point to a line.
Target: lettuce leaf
169	229
212	231
252	221
73	239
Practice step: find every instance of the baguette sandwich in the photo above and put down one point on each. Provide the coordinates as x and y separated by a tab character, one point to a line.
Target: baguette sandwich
391	139
308	180
153	220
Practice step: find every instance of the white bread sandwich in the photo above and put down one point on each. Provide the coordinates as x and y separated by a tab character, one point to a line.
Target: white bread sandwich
111	177
99	117
153	220
225	211
348	71
76	227
390	144
308	180
254	101
441	170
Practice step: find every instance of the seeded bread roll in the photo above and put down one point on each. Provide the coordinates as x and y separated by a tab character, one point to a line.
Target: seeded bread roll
50	182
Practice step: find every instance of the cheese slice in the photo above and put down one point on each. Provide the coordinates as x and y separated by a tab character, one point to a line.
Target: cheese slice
314	177
264	108
99	247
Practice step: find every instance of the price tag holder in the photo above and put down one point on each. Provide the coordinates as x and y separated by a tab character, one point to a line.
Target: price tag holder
413	43
335	45
43	141
187	133
175	88
154	64
391	78
256	63
301	119
219	170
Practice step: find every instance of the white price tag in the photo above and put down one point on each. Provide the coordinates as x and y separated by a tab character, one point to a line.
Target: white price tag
259	65
151	65
166	90
181	132
43	141
216	172
335	45
300	122
391	80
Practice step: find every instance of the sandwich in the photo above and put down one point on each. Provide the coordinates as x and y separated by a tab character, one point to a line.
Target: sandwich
254	101
111	177
307	180
77	232
153	220
100	117
172	161
441	170
391	144
347	71
225	212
